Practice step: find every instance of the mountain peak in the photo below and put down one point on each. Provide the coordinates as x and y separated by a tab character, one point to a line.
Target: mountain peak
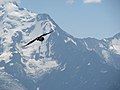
117	35
9	5
2	2
43	17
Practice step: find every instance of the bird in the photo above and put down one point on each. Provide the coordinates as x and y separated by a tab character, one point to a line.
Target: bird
39	38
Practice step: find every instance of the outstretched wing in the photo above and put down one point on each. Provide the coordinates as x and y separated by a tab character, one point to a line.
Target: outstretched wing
31	42
46	33
38	37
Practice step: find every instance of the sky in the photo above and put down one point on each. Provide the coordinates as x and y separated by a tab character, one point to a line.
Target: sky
81	18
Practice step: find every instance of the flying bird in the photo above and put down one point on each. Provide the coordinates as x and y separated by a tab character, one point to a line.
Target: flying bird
39	38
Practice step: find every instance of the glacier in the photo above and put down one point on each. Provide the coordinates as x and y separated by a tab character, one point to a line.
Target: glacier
16	27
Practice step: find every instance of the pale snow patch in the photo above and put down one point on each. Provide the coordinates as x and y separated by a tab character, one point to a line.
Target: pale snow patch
2	13
38	88
27	51
86	45
5	1
101	45
18	14
105	40
2	68
115	46
70	39
43	48
48	26
10	7
38	68
105	55
37	46
63	68
6	57
11	64
52	25
89	64
38	28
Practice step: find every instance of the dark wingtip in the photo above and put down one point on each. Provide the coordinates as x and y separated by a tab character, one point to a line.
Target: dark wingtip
24	45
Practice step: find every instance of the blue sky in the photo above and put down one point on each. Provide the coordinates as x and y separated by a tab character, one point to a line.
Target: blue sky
81	18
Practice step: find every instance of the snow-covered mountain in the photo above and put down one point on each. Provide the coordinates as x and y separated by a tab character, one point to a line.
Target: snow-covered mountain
60	62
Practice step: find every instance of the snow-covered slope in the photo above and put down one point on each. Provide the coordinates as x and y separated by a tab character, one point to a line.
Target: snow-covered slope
17	28
60	62
108	49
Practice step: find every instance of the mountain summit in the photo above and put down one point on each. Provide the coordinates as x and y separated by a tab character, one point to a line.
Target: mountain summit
60	62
